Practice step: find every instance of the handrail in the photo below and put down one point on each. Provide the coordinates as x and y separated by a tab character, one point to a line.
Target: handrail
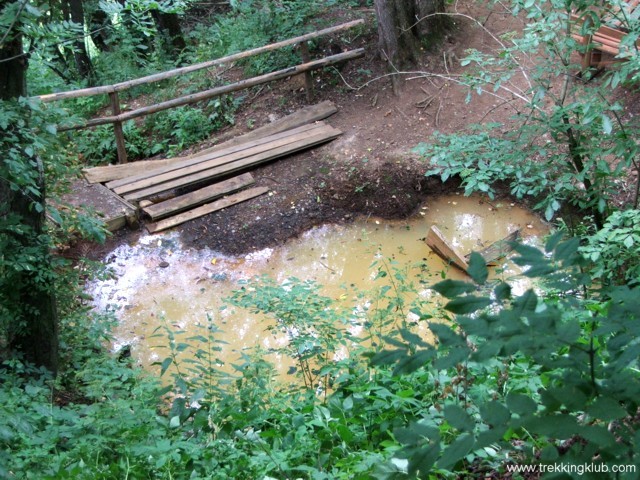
118	87
216	92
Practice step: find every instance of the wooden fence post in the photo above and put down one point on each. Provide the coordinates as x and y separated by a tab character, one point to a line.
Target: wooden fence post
308	79
117	127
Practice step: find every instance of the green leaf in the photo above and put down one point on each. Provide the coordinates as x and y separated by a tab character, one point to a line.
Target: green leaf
452	288
494	413
456	451
557	426
458	418
413	362
387	357
525	303
174	422
521	404
422	459
502	291
607	126
606	409
166	363
477	268
468	304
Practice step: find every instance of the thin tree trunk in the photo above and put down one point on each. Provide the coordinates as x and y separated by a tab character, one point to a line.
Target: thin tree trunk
82	60
168	25
99	28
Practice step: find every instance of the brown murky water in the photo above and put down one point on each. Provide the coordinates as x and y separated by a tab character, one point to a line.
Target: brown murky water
159	283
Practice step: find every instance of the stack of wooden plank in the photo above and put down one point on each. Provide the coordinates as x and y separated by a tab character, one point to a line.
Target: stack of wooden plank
607	37
222	163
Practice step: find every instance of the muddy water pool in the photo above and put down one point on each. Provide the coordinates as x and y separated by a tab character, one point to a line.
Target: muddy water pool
157	282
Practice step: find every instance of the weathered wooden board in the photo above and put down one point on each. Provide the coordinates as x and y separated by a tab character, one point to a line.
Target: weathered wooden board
198	197
206	209
233	167
114	211
200	164
444	249
498	249
225	155
302	117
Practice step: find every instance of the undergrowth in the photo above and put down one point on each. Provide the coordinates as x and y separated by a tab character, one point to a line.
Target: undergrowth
543	377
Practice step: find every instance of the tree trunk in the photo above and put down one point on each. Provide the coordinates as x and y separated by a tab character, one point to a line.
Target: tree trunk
402	29
99	27
168	25
35	306
82	60
13	83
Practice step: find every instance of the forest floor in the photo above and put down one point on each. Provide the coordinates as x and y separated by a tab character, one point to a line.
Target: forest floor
369	169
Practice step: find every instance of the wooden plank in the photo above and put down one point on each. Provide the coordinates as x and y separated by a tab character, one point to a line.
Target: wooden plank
223	156
311	114
109	207
206	209
498	249
234	166
444	249
198	197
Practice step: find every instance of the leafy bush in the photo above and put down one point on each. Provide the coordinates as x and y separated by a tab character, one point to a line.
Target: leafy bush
615	249
578	400
568	142
97	146
256	23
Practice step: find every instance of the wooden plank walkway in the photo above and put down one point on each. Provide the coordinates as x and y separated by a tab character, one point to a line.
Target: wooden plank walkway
306	115
214	159
208	174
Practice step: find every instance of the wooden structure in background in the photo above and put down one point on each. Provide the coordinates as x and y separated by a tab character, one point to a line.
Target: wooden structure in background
606	38
117	118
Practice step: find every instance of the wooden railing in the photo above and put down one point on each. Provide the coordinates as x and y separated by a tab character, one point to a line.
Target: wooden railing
118	117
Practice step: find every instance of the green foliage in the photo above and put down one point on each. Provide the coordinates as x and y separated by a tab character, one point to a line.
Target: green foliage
615	249
310	321
578	396
176	129
257	23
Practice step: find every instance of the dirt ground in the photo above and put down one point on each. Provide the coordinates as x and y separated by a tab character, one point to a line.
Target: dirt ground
369	169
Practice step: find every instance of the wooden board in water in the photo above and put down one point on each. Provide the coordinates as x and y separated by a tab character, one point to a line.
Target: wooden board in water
498	249
444	249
